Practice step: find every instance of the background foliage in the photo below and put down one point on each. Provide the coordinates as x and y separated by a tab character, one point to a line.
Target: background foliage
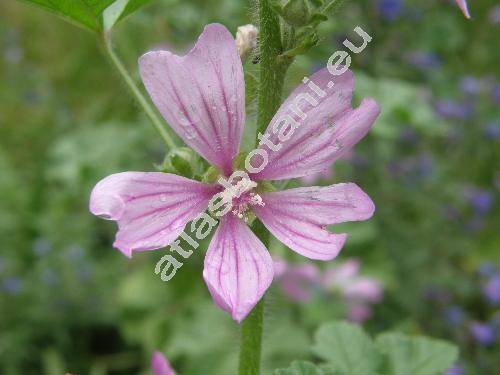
69	302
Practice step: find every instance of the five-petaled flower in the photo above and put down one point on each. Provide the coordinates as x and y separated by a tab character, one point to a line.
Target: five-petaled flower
201	95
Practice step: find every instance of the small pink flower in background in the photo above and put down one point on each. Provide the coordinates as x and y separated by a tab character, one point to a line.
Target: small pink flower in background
462	4
363	289
297	281
358	292
202	97
341	274
359	313
160	365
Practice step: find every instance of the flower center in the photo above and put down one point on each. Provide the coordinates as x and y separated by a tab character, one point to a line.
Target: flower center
242	196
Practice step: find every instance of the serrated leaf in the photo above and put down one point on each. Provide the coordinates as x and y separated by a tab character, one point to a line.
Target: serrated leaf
415	355
347	348
301	368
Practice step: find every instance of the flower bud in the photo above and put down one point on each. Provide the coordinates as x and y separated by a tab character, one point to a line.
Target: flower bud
246	40
297	12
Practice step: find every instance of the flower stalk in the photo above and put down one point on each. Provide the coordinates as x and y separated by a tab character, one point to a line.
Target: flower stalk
251	341
136	93
253	326
271	79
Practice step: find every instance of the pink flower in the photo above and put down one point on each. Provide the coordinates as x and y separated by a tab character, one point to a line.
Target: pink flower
358	313
202	96
462	4
297	280
358	292
345	279
364	289
160	365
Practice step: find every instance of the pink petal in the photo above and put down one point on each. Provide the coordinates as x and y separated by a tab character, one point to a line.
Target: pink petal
299	281
462	4
151	209
364	289
330	129
339	275
297	217
358	313
160	365
201	95
238	268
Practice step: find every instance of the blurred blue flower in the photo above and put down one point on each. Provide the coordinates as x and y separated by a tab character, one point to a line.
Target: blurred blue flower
481	200
84	272
424	60
49	277
12	52
495	94
470	85
75	252
408	135
450	109
413	169
390	10
494	15
12	285
486	269
41	246
492	290
454	315
483	333
492	130
455	370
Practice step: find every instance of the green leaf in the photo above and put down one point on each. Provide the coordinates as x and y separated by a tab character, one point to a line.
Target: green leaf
91	14
85	13
347	348
415	355
119	10
302	368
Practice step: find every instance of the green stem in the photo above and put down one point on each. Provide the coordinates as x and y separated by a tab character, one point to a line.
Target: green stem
253	326
271	80
155	120
251	341
272	68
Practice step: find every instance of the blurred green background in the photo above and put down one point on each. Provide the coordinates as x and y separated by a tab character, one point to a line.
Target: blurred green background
70	302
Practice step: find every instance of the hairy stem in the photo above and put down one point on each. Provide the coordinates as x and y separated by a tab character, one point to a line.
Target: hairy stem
253	326
271	79
134	90
272	68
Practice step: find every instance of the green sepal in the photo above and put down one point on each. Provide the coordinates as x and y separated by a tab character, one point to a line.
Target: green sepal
210	176
239	161
179	161
307	39
265	187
